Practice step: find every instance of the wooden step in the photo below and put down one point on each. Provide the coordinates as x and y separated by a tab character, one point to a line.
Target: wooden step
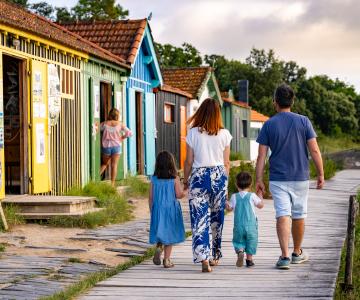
47	206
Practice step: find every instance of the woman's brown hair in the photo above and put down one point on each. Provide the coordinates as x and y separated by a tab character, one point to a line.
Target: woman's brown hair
207	117
165	167
113	114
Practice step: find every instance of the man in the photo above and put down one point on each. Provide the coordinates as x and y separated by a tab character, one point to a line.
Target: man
289	137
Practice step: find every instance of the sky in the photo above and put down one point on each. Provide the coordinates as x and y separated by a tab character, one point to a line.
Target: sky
320	35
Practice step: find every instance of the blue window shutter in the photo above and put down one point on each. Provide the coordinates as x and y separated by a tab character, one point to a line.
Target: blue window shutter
149	133
131	123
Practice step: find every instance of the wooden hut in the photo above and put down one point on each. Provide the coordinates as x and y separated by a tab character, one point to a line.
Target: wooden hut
41	136
171	104
236	118
200	82
132	40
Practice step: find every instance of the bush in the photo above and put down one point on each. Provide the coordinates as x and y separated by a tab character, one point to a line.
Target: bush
137	187
236	156
247	167
330	168
12	216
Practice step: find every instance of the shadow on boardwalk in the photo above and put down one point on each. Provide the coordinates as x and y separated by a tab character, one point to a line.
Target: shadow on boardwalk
325	235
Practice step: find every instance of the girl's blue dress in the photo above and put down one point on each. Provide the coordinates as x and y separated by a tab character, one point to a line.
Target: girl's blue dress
166	225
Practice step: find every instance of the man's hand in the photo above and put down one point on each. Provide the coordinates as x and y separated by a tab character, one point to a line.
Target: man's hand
260	187
320	182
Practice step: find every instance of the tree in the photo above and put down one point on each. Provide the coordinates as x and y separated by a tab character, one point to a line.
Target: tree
99	10
24	3
184	56
63	15
43	9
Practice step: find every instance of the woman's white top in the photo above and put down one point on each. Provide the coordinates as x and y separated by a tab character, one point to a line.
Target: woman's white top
208	149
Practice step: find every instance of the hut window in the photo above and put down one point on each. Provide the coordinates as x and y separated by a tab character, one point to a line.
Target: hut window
244	129
169	113
67	83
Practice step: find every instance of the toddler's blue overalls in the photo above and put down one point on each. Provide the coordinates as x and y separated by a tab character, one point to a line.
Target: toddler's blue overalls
245	233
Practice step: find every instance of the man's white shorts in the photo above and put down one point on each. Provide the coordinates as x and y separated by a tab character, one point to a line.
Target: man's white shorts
290	198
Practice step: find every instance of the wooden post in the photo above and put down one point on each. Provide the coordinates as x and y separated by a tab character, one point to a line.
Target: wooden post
3	219
353	207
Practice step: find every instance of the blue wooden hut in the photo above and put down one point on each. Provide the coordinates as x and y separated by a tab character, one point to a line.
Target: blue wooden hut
132	40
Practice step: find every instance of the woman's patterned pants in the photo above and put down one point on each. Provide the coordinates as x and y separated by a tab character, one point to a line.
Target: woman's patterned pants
207	196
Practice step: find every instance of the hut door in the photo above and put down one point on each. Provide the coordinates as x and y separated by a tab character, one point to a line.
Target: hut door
139	134
14	140
182	136
105	106
40	175
150	133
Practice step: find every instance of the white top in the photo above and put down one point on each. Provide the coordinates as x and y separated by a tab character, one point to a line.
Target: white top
208	149
254	200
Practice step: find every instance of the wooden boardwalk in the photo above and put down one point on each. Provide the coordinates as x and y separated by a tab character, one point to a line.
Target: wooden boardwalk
325	235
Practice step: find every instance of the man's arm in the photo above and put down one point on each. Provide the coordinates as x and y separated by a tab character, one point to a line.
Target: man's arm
316	157
260	166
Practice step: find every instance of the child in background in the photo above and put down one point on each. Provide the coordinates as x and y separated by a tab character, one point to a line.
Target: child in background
245	232
113	133
166	224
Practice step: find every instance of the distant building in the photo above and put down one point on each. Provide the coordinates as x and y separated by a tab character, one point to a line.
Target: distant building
257	122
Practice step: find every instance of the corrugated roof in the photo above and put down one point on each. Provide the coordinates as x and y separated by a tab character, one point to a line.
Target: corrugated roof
258	117
121	37
189	79
17	17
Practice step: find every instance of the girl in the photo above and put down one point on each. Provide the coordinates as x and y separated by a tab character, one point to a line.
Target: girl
113	133
207	159
166	225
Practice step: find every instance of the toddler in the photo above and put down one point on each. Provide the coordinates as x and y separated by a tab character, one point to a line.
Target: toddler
166	223
245	232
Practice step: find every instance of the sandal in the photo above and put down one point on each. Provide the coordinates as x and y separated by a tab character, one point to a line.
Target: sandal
215	261
240	259
168	263
157	255
205	266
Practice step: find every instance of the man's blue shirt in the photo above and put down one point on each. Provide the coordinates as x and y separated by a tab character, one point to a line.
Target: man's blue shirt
286	134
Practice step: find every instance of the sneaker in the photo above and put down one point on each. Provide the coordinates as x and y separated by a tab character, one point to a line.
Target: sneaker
240	259
283	263
249	263
299	258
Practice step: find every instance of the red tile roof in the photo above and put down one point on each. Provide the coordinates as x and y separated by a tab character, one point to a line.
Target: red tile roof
258	117
122	37
168	88
189	80
15	16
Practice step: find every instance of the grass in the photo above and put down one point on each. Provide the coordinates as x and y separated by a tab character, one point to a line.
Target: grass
137	187
12	216
330	144
116	209
330	168
236	156
89	281
355	294
2	247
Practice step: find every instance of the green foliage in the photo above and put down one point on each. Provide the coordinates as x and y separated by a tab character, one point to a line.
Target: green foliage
330	169
137	187
335	144
99	10
355	294
12	216
115	208
43	9
171	56
236	156
63	15
247	167
2	247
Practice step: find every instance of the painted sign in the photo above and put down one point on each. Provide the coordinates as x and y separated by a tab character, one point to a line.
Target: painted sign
54	94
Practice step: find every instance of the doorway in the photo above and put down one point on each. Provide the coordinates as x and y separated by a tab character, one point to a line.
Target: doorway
140	161
15	126
105	106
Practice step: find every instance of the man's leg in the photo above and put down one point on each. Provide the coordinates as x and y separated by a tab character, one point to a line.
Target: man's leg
297	230
283	225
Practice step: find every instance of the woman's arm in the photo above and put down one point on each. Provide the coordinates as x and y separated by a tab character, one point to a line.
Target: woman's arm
188	165
227	159
150	197
179	192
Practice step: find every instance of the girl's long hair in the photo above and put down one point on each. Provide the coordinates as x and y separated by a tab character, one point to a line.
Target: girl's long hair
165	167
207	117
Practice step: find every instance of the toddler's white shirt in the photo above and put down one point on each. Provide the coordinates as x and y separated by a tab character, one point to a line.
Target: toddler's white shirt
254	200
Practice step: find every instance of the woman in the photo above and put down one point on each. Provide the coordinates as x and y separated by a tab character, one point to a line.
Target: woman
207	158
113	133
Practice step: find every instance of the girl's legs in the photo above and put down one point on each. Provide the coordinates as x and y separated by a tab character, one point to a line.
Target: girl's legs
114	164
105	161
167	251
